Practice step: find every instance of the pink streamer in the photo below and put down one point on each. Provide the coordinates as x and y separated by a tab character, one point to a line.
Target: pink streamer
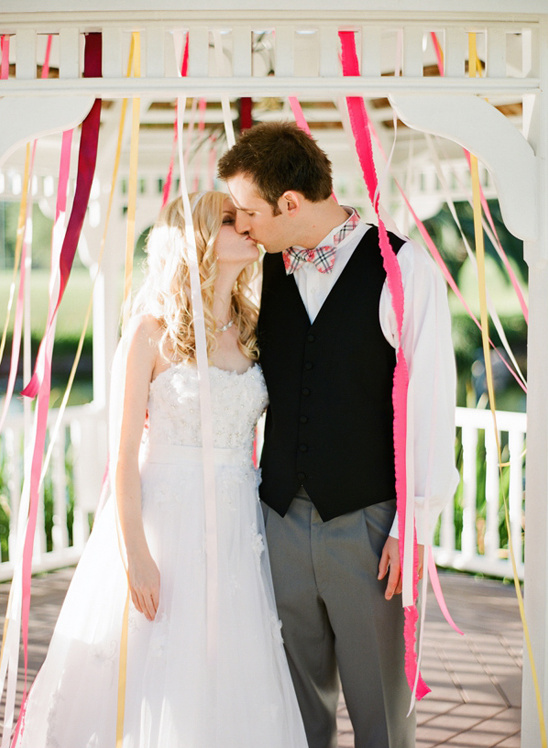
45	67
360	127
169	179
212	165
300	119
5	48
62	187
498	245
499	248
437	50
86	164
43	359
298	114
436	586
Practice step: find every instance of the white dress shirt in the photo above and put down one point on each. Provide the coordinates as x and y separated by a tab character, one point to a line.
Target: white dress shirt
428	350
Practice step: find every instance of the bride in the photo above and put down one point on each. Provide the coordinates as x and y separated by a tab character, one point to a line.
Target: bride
151	532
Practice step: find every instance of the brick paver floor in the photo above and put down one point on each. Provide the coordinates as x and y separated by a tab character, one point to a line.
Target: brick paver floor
475	678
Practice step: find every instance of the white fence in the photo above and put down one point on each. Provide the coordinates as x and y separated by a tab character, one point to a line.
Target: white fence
68	495
470	529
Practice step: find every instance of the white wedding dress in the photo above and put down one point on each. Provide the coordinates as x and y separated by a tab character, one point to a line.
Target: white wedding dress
175	697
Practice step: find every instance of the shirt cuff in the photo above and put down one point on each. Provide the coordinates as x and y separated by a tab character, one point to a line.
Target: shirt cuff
420	524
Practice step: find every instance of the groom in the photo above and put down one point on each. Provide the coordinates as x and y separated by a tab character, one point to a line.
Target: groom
327	338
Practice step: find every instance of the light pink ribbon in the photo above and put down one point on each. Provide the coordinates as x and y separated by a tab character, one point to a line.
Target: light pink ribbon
497	243
445	270
500	250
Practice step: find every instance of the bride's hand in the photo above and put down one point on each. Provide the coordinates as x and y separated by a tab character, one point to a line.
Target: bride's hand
144	585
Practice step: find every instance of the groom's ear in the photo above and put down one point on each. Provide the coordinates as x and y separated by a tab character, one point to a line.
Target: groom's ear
291	202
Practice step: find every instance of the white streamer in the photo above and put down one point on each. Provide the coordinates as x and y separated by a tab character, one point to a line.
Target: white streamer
471	255
227	115
210	507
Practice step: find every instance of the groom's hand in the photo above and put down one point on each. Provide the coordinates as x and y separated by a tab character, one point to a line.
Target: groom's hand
390	564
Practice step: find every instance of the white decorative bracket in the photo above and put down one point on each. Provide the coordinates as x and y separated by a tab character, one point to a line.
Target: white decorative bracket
485	132
32	117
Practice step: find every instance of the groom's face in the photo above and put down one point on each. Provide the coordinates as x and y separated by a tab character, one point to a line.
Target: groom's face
254	215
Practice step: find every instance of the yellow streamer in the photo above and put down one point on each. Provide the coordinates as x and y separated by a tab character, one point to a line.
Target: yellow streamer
132	187
122	673
474	67
18	246
130	242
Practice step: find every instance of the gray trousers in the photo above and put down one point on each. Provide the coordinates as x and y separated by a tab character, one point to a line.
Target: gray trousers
336	623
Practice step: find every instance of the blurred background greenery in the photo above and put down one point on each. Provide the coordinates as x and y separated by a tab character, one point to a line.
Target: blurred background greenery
442	228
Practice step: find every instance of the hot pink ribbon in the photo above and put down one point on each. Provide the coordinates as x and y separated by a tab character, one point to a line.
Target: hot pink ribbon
5	49
360	127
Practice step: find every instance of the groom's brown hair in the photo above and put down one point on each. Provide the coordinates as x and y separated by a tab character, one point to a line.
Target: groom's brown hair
279	156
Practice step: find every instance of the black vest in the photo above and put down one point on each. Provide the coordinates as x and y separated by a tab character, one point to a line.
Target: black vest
329	425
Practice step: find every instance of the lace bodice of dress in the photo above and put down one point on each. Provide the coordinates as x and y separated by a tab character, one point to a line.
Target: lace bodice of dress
237	401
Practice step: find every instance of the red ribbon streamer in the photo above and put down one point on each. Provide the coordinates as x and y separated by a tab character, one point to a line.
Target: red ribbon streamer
87	159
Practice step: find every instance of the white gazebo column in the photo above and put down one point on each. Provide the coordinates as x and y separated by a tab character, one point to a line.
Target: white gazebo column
536	506
106	297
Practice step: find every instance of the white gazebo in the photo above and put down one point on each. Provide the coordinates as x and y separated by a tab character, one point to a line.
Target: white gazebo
265	52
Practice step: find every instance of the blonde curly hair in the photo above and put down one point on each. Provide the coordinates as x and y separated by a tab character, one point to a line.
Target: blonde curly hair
165	292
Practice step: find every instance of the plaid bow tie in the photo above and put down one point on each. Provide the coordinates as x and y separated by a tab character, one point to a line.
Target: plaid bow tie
323	257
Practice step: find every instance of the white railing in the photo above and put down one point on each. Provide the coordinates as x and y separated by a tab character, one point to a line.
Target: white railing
68	495
268	54
470	536
472	530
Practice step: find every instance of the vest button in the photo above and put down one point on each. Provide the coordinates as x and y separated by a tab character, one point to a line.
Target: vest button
305	391
303	419
303	448
301	476
311	338
308	365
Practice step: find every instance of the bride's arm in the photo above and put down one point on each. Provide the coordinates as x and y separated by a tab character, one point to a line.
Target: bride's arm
132	374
